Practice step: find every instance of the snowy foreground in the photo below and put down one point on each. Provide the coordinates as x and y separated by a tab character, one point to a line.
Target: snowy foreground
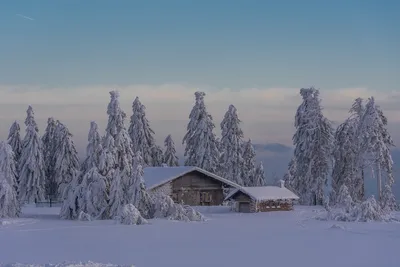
225	239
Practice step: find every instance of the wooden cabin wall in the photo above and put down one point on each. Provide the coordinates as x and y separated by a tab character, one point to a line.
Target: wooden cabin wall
197	189
270	205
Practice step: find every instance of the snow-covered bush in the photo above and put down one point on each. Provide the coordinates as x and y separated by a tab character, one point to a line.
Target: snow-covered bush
166	208
130	215
83	216
368	210
193	214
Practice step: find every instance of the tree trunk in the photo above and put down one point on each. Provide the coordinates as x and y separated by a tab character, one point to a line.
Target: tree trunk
379	180
362	193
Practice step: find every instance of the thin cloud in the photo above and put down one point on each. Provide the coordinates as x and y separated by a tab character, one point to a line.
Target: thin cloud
25	17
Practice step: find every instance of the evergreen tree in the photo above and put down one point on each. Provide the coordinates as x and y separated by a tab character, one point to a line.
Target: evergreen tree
9	205
170	157
49	140
117	150
92	194
157	156
288	178
91	191
249	165
140	198
376	144
93	149
201	146
8	165
70	207
117	195
259	177
232	162
31	166
66	161
313	141
141	134
117	141
14	140
348	167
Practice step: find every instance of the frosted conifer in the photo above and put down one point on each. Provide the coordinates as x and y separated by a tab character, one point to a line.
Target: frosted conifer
141	133
66	161
249	165
376	144
93	149
92	193
14	140
201	146
31	166
9	205
259	177
157	156
232	162
117	197
348	162
50	142
313	142
8	165
170	157
290	174
137	193
70	206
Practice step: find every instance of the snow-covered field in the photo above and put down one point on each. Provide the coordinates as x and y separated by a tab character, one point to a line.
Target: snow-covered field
226	239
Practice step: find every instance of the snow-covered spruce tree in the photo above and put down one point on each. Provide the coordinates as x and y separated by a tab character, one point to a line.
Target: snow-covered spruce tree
93	149
49	140
157	156
137	193
348	160
91	188
288	178
117	195
70	206
141	133
9	205
201	148
117	150
249	164
259	176
31	165
170	157
66	161
313	142
8	164
14	140
376	144
232	147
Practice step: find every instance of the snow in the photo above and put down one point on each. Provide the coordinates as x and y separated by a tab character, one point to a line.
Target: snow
265	193
284	239
156	176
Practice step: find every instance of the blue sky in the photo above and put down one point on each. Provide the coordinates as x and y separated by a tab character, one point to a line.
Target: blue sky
235	44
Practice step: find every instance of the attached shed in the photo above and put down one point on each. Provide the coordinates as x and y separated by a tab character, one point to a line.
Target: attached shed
188	185
262	199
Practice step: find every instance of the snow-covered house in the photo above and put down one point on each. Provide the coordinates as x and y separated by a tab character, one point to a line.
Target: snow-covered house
188	185
262	198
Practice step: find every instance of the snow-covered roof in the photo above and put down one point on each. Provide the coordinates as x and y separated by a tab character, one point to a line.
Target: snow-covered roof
265	193
156	176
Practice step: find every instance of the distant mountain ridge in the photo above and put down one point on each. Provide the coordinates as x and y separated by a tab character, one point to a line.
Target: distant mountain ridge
273	147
